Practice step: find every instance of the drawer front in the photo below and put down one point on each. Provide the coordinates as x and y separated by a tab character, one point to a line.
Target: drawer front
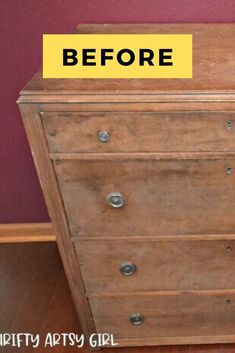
161	316
139	131
122	266
161	197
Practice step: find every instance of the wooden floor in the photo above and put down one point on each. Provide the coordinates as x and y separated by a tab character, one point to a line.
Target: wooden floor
35	298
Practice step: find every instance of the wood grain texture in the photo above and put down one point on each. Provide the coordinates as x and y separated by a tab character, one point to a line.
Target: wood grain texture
165	316
152	106
44	166
26	232
134	132
34	295
161	197
161	265
161	97
142	156
213	64
29	268
178	219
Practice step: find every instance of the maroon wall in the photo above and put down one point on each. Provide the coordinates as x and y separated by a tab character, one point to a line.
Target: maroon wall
22	23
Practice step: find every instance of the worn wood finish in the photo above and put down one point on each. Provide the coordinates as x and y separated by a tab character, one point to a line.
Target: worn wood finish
168	154
186	315
163	98
161	197
145	132
201	265
44	166
29	269
211	45
142	156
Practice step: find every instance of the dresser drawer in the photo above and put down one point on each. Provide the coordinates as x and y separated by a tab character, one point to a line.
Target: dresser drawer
139	131
162	316
121	266
156	197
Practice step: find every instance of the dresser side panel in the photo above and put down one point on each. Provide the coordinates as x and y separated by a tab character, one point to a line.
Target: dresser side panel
48	182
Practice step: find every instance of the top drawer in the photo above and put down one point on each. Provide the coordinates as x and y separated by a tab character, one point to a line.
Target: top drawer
74	132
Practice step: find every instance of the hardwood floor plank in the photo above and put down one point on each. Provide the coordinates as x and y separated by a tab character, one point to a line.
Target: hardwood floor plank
18	282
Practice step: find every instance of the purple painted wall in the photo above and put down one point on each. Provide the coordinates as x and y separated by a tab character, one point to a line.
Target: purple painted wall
22	23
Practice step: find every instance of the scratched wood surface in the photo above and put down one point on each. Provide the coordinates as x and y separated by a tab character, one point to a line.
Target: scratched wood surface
185	190
213	45
76	132
32	271
161	265
173	197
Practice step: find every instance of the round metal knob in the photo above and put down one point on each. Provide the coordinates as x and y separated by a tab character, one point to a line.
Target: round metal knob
103	136
229	171
128	268
229	125
115	199
136	319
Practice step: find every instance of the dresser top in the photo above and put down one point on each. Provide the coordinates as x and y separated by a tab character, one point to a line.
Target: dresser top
213	65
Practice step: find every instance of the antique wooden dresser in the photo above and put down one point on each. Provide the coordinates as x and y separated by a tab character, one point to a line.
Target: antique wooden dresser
139	181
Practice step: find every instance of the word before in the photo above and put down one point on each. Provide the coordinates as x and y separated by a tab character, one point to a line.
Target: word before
117	56
124	57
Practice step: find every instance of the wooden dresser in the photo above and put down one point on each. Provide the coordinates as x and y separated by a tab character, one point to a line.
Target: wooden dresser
139	181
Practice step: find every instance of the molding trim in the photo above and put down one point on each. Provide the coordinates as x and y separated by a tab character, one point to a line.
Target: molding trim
26	232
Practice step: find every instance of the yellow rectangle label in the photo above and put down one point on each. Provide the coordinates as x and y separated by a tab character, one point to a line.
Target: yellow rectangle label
117	56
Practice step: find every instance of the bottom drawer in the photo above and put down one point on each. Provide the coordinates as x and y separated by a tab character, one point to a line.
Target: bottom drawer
170	316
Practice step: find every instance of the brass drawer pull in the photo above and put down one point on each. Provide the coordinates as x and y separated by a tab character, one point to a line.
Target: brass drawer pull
136	319
127	268
115	199
103	136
